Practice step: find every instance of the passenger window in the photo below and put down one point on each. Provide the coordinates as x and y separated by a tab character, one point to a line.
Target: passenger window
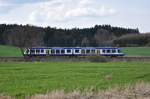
42	51
87	51
108	51
119	51
76	51
83	51
62	51
113	51
37	51
57	51
93	51
68	51
32	51
53	51
103	51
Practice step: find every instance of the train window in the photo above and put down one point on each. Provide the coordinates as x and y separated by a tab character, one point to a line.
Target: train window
57	51
42	51
113	51
104	51
83	51
27	51
77	51
37	51
119	51
87	51
53	51
32	51
68	51
93	51
108	51
62	51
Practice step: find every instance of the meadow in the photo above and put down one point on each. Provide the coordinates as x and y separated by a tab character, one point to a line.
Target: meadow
137	51
26	79
9	51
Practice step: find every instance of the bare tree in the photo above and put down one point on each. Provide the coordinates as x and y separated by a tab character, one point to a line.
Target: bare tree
103	36
85	42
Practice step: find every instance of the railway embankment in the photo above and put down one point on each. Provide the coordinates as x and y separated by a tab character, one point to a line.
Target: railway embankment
73	59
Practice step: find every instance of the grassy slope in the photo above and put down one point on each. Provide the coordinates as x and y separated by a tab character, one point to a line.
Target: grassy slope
9	51
137	51
19	79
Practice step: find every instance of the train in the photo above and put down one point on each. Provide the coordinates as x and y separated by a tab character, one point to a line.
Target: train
73	51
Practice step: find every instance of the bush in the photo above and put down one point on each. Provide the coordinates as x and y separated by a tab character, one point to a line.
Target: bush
98	59
148	45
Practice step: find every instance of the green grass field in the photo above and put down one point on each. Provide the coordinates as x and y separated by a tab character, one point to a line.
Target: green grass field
137	51
22	79
9	51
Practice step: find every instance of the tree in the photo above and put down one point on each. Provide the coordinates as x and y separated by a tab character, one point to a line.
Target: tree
24	37
103	36
85	42
28	35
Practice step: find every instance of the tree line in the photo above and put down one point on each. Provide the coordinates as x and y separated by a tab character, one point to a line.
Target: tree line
133	40
29	36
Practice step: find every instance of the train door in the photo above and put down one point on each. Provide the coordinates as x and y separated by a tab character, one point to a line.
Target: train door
83	52
98	51
47	52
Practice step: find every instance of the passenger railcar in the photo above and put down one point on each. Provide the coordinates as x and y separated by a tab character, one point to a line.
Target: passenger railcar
73	51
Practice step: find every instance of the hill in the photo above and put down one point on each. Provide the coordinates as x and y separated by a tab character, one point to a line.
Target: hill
9	51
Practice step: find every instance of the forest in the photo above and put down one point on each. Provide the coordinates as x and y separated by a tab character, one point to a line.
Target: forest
97	36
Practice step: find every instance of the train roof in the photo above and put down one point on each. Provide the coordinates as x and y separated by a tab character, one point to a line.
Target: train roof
75	48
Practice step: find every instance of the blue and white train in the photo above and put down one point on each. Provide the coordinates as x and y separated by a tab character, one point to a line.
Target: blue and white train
73	51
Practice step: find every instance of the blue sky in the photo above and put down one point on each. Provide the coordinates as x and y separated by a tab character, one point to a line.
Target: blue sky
77	13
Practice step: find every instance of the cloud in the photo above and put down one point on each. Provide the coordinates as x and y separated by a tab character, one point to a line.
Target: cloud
3	3
6	3
92	12
56	11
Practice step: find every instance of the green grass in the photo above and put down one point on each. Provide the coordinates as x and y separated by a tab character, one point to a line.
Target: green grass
9	51
137	51
22	79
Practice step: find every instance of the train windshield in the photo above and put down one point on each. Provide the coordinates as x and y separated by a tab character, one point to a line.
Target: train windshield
27	51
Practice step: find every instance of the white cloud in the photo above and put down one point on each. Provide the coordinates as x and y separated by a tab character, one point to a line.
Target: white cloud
56	11
5	3
2	3
84	11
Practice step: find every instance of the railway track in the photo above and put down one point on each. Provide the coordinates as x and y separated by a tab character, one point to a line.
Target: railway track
70	59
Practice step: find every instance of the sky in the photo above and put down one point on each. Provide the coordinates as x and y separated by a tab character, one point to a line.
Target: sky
77	13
